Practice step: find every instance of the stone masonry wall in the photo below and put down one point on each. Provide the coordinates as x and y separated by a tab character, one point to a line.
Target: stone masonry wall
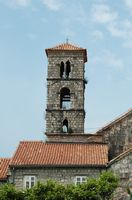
63	175
76	59
76	88
123	168
55	118
75	83
84	138
119	136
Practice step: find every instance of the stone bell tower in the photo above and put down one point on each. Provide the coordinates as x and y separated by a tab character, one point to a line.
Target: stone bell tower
65	89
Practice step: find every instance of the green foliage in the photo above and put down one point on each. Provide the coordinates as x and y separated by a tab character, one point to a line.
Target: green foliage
94	189
107	185
8	192
50	190
129	192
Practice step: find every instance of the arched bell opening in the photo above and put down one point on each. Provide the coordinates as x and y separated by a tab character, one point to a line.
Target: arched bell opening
65	126
65	98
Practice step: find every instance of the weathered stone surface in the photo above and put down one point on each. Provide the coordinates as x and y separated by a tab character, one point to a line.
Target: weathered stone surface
122	167
55	115
73	137
118	135
121	194
63	175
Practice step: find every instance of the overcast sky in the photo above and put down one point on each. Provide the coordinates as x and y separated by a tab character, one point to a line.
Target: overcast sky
27	27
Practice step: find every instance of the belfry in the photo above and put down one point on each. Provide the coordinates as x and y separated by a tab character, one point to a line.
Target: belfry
65	89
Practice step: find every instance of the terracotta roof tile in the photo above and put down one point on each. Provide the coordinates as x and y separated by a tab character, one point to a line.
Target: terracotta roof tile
59	154
4	164
67	47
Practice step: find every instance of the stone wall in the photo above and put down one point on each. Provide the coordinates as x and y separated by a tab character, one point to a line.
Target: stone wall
55	118
75	83
76	59
76	88
84	138
118	135
63	175
122	167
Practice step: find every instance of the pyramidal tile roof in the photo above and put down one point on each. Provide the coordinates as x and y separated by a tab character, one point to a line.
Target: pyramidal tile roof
67	47
4	164
38	153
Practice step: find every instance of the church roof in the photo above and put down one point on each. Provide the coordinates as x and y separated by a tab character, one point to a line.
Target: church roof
118	119
38	153
121	156
4	164
67	47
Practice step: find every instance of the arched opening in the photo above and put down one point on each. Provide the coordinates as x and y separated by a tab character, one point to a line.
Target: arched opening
65	99
61	69
68	69
65	126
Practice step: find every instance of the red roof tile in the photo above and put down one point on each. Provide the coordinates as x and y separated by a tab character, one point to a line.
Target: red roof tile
57	154
67	47
4	164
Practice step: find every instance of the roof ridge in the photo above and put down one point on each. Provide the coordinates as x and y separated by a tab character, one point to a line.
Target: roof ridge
36	141
64	143
67	47
121	155
67	44
121	116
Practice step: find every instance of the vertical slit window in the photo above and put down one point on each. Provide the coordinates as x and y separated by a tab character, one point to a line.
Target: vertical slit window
62	70
68	69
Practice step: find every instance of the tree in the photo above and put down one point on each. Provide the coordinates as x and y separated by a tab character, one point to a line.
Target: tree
8	192
50	190
87	191
101	188
107	182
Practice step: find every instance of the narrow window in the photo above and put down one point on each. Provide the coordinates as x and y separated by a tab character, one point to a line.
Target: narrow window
29	181
62	70
80	179
68	69
65	126
65	101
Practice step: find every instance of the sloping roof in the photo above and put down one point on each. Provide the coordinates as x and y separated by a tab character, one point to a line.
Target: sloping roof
121	156
118	119
4	164
38	153
67	47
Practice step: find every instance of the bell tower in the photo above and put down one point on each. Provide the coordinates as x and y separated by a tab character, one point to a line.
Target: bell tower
65	89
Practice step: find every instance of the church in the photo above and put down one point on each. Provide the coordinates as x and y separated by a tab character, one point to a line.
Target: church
69	155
